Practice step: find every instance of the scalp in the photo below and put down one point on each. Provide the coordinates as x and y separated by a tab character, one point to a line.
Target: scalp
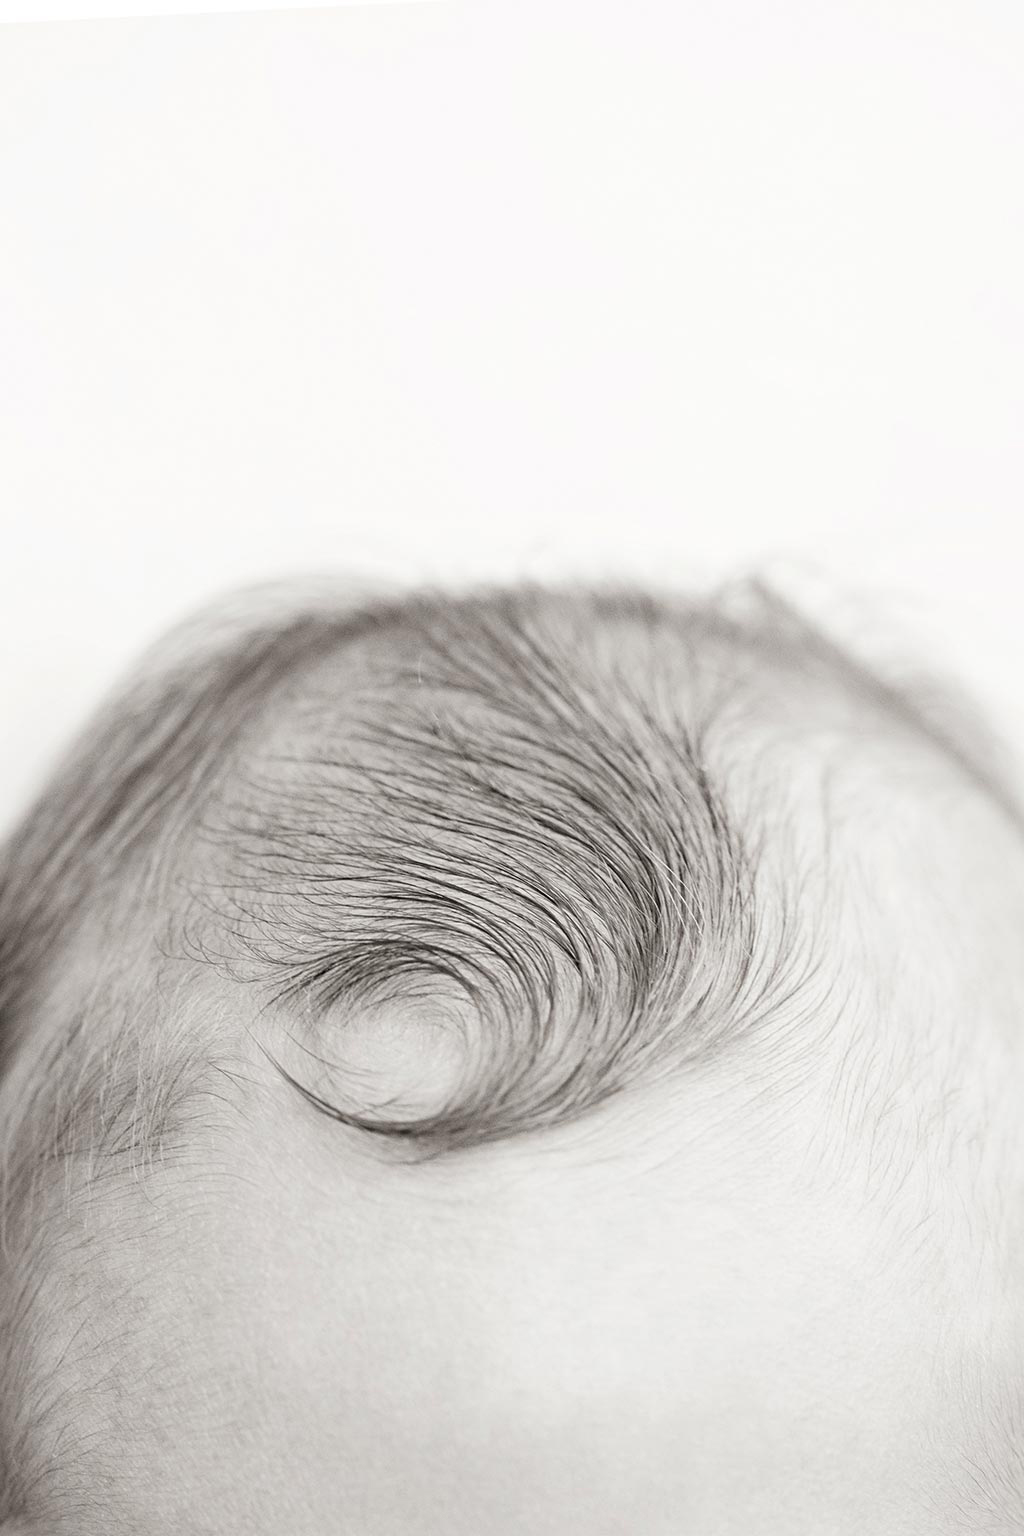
574	842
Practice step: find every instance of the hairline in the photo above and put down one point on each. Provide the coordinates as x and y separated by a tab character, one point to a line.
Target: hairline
307	639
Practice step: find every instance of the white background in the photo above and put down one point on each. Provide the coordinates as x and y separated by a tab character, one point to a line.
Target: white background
468	288
55	10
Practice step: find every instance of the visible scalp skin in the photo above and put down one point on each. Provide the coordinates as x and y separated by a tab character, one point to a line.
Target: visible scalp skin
571	853
487	821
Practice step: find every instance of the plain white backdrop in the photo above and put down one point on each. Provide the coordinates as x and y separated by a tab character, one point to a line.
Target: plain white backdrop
458	289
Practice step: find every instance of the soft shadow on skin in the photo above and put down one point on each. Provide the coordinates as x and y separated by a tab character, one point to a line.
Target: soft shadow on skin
540	1061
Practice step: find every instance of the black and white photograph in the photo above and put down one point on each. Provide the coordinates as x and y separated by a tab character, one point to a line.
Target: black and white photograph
512	784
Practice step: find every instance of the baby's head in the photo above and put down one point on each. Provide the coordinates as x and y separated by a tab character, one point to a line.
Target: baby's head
533	1062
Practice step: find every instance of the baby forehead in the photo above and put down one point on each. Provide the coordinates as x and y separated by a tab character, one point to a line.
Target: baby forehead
567	1333
584	1331
524	829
